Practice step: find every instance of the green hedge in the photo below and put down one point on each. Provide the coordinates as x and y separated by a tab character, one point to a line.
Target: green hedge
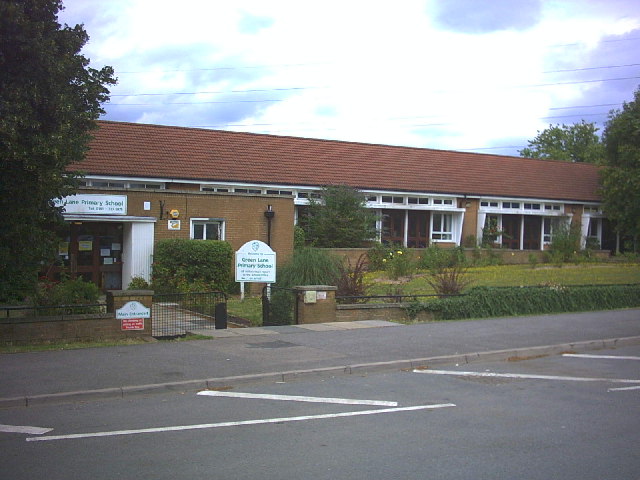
483	302
192	266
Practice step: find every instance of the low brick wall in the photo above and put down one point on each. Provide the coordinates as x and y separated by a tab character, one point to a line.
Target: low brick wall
70	328
390	312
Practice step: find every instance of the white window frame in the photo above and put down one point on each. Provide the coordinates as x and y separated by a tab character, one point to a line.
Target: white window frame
441	231
498	219
595	223
204	221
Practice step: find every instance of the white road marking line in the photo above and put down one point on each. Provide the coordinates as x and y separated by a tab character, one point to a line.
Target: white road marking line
637	387
236	424
22	429
526	376
296	398
587	355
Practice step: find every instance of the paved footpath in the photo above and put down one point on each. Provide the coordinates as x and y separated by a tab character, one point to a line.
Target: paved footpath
239	356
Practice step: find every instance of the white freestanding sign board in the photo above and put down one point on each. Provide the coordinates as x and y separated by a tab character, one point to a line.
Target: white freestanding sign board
255	262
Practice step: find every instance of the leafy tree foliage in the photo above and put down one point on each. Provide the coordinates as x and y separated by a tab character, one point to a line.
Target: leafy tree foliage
570	143
621	175
49	101
339	219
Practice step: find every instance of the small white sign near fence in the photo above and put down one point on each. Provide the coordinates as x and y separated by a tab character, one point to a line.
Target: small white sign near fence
132	315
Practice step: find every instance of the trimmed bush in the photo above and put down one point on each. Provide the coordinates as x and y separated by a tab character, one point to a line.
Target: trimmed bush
483	302
182	266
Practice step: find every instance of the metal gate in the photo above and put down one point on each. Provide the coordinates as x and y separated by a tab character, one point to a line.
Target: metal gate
176	314
279	306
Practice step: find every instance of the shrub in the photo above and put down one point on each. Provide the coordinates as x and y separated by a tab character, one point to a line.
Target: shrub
67	292
449	281
376	255
352	278
398	263
309	266
299	237
437	258
192	266
138	283
565	243
506	301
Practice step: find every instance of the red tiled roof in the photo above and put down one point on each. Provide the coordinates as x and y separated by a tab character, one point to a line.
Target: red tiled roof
154	151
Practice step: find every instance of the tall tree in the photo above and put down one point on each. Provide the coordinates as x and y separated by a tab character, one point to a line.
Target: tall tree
621	175
571	143
49	101
339	219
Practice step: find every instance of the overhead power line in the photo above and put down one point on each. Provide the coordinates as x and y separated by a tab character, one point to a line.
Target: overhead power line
259	90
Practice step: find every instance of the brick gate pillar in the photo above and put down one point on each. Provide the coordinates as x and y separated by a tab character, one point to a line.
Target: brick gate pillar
315	303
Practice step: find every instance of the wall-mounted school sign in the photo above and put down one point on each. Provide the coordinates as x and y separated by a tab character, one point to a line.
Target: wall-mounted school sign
256	262
132	315
93	204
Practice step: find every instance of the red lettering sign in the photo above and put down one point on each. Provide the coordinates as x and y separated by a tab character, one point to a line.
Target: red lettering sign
133	324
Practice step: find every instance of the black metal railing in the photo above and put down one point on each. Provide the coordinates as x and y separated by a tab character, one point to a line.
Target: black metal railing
176	314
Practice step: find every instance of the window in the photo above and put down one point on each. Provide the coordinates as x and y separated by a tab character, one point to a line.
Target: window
489	204
247	190
107	184
279	192
491	233
549	224
510	205
390	199
532	206
207	229
441	227
546	230
442	201
150	186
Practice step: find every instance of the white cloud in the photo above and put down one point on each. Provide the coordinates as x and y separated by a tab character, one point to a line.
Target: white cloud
380	72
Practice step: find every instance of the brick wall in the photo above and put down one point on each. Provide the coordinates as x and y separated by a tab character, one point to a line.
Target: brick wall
243	214
71	328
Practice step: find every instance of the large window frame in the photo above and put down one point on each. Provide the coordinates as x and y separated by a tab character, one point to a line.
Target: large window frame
441	227
207	229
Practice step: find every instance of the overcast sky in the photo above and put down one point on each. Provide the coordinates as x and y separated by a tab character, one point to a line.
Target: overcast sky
480	75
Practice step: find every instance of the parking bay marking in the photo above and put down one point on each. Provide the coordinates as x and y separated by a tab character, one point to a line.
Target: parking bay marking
608	357
622	389
297	398
24	429
525	376
239	423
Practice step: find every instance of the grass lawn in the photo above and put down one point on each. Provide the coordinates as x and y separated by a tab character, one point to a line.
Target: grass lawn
249	308
515	275
497	276
76	345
